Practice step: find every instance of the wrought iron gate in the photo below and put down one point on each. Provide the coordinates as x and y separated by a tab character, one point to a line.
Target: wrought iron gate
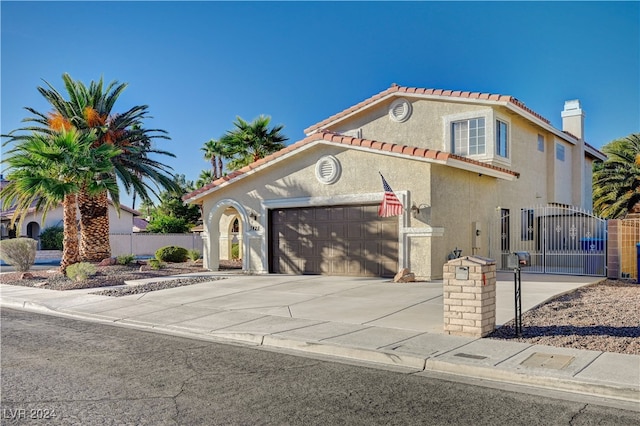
560	240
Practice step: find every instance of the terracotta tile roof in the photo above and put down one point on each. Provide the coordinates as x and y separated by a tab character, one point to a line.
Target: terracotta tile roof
430	92
335	138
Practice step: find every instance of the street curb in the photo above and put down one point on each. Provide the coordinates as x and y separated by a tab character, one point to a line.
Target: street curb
351	352
416	363
593	388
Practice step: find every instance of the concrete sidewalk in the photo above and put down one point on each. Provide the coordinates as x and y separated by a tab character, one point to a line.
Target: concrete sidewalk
365	319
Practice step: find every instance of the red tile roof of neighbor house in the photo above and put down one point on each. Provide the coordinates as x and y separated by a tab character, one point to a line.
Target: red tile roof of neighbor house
431	92
335	138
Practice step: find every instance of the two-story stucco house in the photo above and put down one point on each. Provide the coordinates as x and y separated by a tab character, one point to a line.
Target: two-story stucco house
460	162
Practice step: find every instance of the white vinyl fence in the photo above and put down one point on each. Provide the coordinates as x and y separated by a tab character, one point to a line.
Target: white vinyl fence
143	244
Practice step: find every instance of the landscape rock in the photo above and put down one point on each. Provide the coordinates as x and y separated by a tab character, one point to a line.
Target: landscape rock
26	276
109	261
404	276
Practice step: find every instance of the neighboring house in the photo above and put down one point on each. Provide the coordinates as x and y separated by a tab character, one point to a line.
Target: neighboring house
460	162
34	222
140	224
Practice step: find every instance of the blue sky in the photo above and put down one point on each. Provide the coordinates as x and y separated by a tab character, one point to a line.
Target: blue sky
198	65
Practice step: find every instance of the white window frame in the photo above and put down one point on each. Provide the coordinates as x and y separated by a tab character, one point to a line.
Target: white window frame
475	129
448	122
507	139
490	118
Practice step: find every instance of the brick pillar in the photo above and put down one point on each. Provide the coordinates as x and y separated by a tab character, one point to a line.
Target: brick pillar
469	296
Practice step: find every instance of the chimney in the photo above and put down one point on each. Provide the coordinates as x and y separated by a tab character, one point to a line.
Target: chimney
573	118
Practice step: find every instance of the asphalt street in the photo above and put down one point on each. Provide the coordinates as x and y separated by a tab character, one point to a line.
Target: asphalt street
62	371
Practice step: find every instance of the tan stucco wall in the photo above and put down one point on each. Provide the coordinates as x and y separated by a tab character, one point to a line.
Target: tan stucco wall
564	176
459	199
424	128
295	178
542	180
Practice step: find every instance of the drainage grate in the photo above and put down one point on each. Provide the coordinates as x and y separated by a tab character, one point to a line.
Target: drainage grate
553	361
460	354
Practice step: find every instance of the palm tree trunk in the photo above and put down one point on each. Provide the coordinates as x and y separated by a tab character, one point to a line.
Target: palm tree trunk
70	252
219	167
214	166
94	227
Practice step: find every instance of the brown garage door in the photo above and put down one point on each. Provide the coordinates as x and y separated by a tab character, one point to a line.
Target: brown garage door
333	240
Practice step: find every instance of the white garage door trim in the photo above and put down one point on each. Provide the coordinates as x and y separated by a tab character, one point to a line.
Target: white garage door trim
349	199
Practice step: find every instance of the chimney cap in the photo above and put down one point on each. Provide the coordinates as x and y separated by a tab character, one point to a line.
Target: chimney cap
572	108
572	104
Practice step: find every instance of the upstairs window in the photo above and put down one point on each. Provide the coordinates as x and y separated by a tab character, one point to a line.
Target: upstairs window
560	152
502	139
540	143
468	137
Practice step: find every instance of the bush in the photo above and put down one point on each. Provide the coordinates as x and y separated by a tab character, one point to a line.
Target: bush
125	259
172	254
19	252
235	251
193	255
168	225
51	238
80	271
155	264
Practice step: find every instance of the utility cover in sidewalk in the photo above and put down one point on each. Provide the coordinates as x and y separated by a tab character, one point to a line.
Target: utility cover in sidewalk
553	361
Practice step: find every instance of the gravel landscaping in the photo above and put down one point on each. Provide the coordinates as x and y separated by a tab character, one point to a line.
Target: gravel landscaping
155	286
115	275
600	317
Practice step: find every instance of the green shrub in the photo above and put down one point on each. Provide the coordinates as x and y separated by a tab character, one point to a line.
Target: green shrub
80	271
193	255
155	264
168	225
235	251
51	238
172	254
125	259
19	252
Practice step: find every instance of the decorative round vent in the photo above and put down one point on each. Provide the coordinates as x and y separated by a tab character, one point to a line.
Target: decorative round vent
328	170
400	110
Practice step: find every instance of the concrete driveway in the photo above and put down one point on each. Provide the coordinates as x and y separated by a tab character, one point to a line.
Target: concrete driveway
363	301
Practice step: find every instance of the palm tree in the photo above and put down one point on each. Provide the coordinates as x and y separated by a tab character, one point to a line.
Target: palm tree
215	151
90	108
49	169
249	142
616	181
205	178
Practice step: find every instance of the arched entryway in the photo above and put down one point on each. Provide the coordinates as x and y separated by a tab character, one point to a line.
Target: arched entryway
225	234
230	235
33	231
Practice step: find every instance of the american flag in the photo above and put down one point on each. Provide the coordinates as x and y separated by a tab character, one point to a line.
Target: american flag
390	205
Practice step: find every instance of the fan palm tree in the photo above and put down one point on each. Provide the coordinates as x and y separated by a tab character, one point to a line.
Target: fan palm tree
616	181
90	108
215	151
205	178
49	169
249	142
